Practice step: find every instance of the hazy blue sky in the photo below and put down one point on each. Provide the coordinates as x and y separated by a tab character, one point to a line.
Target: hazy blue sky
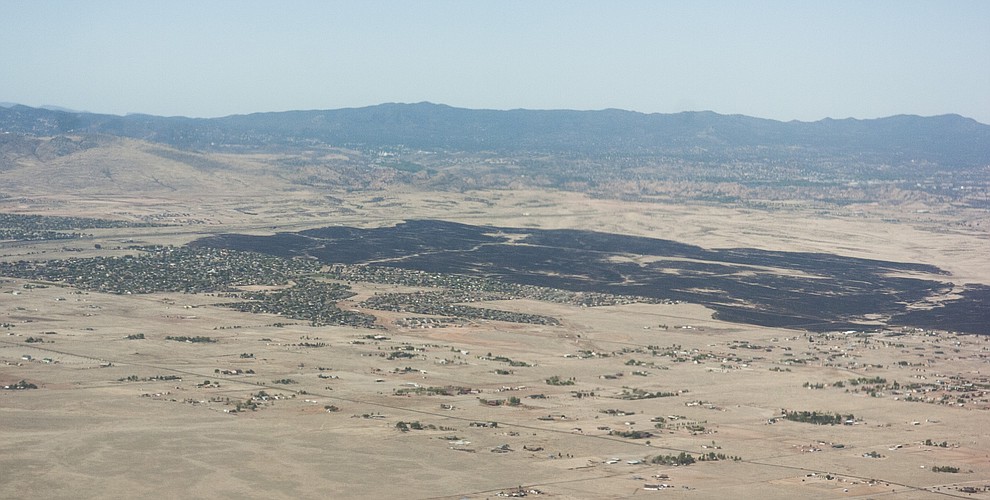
785	60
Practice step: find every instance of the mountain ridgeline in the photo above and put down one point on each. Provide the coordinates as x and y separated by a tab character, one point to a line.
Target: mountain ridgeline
947	140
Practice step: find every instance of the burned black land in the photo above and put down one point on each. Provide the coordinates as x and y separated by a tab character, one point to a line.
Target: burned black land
814	291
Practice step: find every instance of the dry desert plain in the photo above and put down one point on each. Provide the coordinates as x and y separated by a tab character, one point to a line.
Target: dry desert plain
275	408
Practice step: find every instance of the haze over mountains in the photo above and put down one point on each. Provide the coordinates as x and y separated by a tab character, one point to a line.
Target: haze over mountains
916	164
947	140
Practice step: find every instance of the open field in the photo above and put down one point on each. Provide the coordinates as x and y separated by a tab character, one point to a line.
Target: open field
272	407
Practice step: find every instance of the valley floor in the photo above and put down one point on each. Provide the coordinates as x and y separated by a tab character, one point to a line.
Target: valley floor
170	394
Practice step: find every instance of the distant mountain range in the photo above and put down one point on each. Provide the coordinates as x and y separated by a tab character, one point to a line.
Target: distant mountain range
947	140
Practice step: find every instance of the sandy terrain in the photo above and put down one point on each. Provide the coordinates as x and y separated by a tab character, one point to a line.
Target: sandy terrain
101	425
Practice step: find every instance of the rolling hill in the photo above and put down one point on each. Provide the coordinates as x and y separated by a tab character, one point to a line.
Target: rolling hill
947	140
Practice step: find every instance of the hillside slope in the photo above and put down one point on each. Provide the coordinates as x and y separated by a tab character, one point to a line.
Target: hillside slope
948	140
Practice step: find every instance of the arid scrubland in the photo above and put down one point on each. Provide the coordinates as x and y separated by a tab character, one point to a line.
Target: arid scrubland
312	305
132	394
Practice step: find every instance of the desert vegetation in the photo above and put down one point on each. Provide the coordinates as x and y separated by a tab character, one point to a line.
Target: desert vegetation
780	322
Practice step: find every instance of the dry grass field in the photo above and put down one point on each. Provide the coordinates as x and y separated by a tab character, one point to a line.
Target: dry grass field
275	408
